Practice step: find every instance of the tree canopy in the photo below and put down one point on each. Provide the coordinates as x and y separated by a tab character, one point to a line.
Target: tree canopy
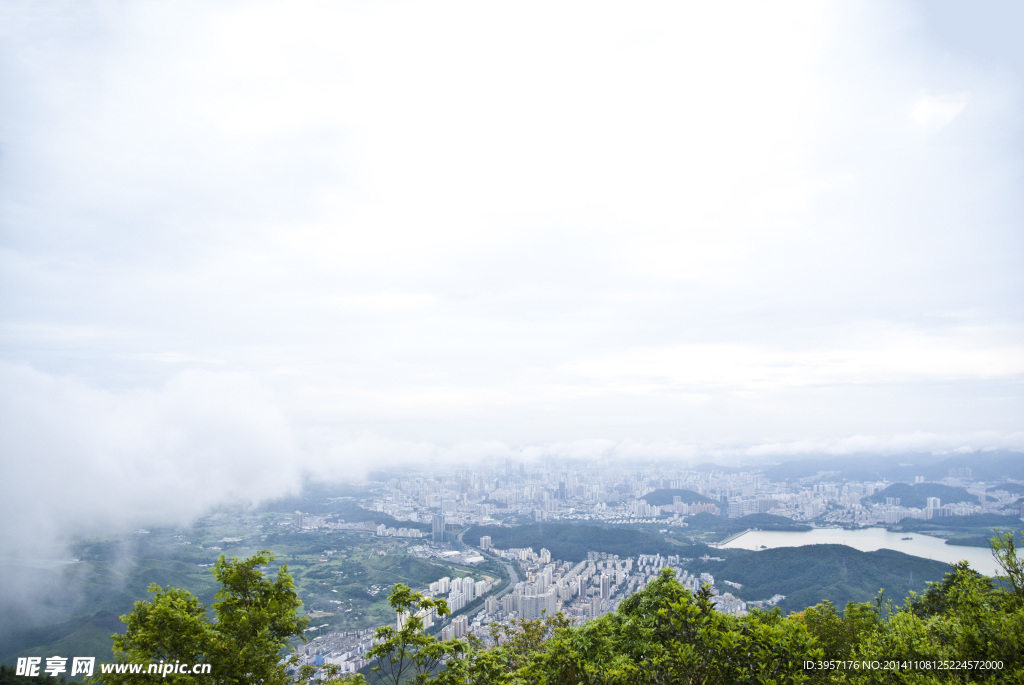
252	620
965	628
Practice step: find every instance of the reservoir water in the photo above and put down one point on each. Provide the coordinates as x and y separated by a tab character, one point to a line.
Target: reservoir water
869	540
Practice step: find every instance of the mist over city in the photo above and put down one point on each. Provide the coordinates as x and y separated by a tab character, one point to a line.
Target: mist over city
269	268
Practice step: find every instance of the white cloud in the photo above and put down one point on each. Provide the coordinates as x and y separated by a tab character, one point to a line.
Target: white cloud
894	356
81	460
936	113
456	222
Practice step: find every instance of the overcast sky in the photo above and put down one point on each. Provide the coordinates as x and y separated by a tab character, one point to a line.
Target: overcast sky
331	234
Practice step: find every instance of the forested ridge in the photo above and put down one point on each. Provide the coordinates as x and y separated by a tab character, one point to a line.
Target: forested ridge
965	628
917	495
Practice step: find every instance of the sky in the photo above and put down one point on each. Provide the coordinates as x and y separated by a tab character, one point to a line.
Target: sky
241	242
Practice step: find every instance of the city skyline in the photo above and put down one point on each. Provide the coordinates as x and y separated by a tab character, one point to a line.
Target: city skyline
246	245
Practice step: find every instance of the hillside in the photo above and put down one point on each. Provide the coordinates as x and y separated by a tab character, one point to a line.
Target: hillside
969	531
572	543
85	600
663	497
1012	488
807	575
724	527
917	495
991	466
664	634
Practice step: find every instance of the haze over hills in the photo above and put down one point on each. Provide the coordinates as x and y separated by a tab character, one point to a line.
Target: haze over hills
990	465
346	545
667	496
606	284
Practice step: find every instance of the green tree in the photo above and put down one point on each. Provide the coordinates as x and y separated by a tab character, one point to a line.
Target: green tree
836	634
672	636
408	649
661	635
963	618
8	677
253	619
515	644
1005	552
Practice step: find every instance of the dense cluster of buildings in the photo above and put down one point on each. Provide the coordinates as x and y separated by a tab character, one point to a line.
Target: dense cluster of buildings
619	495
346	650
596	585
580	591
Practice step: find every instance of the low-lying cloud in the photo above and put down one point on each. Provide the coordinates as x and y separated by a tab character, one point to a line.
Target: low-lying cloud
80	460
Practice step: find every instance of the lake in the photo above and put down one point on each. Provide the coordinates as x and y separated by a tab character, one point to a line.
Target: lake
869	540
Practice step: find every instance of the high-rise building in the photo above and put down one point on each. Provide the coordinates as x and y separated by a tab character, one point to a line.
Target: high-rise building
297	520
536	605
460	625
606	586
485	542
438	528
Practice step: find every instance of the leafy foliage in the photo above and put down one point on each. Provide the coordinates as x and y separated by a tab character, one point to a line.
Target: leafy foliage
254	619
408	649
664	634
660	635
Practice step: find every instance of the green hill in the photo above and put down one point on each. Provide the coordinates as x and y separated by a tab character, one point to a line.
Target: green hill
660	498
990	466
1012	488
917	495
807	575
978	524
666	634
724	527
96	594
572	543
